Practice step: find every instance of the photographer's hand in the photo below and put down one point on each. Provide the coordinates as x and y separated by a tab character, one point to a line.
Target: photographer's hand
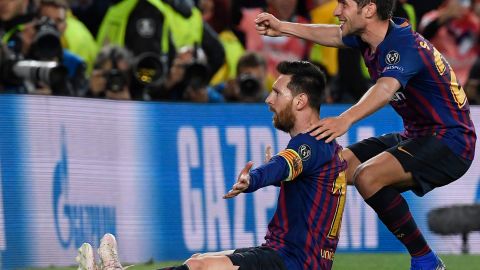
97	82
120	95
42	89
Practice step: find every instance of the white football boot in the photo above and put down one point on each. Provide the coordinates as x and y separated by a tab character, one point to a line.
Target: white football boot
85	258
108	253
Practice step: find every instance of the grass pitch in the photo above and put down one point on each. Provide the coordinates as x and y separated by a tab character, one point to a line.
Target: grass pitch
354	261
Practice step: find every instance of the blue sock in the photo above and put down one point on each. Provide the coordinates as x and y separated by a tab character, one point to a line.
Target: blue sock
429	257
427	261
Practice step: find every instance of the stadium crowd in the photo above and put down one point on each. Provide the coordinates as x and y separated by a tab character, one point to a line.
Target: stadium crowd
200	51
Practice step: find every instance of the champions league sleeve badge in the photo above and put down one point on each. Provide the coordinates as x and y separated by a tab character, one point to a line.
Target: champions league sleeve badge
305	152
392	58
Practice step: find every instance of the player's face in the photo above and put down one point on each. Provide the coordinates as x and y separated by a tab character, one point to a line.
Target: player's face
280	103
350	16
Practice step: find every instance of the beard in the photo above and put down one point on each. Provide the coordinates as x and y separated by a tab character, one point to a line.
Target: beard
284	120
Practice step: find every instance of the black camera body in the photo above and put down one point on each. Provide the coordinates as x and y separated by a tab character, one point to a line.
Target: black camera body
46	44
249	85
196	75
116	80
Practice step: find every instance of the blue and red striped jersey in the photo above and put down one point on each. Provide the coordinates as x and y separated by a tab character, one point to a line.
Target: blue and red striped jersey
431	100
305	227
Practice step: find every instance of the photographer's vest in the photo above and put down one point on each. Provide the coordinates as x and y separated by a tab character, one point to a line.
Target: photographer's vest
185	31
114	25
13	35
78	39
233	51
326	56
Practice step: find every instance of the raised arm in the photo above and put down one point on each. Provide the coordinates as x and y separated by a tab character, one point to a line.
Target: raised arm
323	34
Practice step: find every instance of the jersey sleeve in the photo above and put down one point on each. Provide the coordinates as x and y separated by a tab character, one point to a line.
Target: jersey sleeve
303	154
351	41
400	61
271	173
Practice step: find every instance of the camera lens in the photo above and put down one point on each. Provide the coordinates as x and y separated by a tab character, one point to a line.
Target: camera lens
196	75
116	80
249	85
46	44
148	68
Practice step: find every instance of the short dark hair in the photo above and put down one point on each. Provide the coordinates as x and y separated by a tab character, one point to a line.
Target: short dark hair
385	8
251	59
306	78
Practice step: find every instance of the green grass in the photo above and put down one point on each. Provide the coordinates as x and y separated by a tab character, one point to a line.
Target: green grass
393	261
349	261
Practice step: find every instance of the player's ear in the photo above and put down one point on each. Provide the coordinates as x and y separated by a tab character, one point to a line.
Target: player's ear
300	101
370	10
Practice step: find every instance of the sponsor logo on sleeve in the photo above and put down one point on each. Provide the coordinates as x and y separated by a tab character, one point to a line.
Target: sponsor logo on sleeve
387	68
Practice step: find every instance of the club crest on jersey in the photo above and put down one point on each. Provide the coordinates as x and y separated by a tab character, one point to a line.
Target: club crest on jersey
392	58
305	152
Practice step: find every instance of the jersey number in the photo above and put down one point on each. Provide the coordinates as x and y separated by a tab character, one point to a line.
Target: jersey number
340	189
456	89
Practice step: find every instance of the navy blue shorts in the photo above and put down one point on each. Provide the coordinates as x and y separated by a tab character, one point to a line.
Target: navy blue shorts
430	161
257	258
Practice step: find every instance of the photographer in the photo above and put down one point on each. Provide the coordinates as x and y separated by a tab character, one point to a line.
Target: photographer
32	60
249	85
56	12
187	79
162	27
74	35
111	75
39	40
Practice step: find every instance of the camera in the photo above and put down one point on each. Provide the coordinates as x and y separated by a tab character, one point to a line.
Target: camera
39	66
249	85
147	69
46	44
48	72
196	75
116	80
13	71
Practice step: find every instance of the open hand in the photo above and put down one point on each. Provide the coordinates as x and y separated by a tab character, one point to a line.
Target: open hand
242	183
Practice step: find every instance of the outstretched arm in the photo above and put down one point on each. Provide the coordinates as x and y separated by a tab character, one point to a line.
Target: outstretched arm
273	172
375	98
323	34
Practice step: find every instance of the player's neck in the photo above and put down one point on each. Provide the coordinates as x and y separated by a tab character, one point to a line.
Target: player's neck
375	33
304	122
